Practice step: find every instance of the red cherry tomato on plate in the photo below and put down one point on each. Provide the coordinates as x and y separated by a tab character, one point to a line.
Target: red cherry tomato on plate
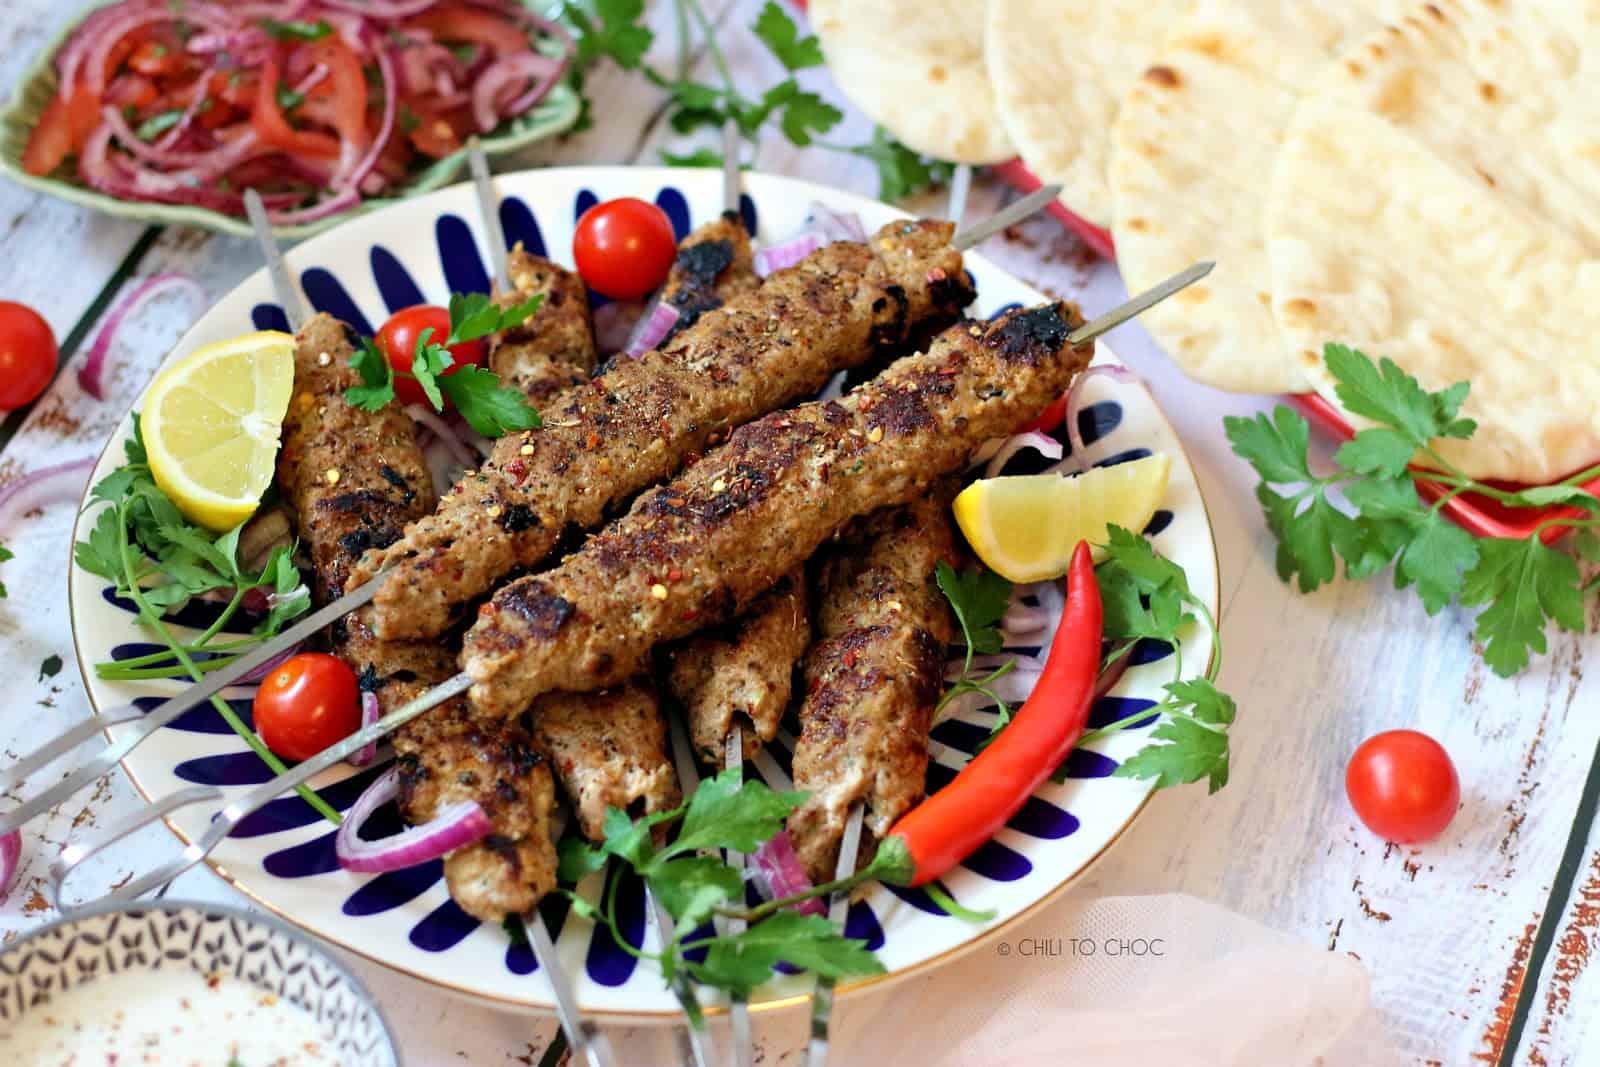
624	247
27	355
1403	786
310	702
397	340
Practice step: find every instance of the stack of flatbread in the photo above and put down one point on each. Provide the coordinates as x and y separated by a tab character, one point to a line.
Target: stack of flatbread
1420	180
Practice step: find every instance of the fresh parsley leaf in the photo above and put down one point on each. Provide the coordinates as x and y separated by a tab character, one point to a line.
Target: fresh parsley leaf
739	964
610	29
1523	583
99	553
1386	394
691	887
158	124
901	172
288	99
427	363
1275	446
1193	748
7	554
474	315
490	408
978	598
804	114
778	32
700	157
728	812
377	388
296	30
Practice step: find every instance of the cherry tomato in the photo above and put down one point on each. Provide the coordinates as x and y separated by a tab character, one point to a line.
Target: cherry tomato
624	247
310	702
27	355
1403	786
397	340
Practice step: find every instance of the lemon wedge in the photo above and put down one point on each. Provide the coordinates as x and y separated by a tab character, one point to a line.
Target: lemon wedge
211	425
1025	528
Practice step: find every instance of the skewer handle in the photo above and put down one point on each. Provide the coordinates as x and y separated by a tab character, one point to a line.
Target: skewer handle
1009	215
1140	304
489	209
589	1044
838	911
282	284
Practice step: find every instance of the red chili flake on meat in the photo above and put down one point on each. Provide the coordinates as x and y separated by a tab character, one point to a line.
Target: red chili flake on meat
593	440
937	274
674	575
676	501
823	471
666	427
690	615
850	657
518	470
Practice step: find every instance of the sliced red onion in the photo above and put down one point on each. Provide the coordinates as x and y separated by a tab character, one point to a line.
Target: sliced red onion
196	166
652	329
274	663
391	102
200	95
10	857
778	873
457	826
341	201
370	713
615	322
1079	461
442	430
1022	619
835	225
780	256
107	34
383	9
1044	444
34	490
498	91
89	374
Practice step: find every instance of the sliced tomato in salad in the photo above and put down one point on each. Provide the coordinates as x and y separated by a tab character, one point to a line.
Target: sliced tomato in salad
62	130
459	22
273	127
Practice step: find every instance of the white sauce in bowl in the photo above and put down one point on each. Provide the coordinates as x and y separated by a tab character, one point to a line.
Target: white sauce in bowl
172	1016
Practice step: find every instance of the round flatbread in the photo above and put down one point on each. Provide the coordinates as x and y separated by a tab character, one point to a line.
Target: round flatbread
1192	153
1060	68
916	70
1437	201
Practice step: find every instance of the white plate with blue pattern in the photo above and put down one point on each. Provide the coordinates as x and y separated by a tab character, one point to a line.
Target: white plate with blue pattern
283	858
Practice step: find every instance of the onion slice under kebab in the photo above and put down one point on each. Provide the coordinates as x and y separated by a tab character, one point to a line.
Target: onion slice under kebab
457	826
651	329
370	713
778	873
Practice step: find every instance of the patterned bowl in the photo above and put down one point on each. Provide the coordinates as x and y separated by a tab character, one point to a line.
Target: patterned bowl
164	935
554	114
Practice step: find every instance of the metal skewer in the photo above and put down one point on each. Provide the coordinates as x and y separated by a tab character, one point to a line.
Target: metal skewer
838	912
216	681
282	284
739	1014
588	1041
1009	215
960	186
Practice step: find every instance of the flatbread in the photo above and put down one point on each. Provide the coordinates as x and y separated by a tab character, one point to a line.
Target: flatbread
1060	68
1437	201
917	70
1192	153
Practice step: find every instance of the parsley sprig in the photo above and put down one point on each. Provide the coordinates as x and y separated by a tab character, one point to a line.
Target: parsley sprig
159	560
693	885
1520	585
1146	596
611	29
978	598
490	408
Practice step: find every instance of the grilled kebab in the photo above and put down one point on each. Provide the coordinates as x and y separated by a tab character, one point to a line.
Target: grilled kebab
701	548
873	677
353	478
742	674
609	750
714	265
638	422
553	349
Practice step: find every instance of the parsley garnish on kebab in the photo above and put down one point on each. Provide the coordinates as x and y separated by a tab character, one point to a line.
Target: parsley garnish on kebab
610	29
978	598
1520	585
158	559
491	409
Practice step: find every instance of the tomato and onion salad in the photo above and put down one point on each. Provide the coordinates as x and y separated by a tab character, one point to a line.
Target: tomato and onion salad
315	105
624	247
1403	786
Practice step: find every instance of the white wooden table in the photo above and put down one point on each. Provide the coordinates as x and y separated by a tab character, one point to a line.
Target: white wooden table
1478	943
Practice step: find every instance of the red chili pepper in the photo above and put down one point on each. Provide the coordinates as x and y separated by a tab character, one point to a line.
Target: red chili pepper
947	827
1049	418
